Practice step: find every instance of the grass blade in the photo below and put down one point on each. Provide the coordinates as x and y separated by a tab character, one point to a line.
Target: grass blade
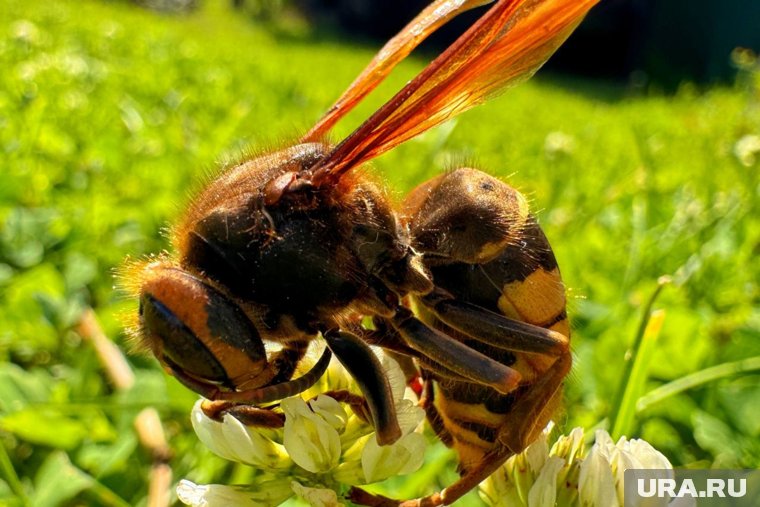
697	379
10	476
636	368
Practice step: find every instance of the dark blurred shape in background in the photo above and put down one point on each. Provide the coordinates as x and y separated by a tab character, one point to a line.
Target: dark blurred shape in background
663	42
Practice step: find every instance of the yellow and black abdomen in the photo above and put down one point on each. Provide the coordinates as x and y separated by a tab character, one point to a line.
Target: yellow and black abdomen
483	247
523	284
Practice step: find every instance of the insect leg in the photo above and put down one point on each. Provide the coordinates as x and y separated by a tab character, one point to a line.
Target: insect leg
488	465
531	414
365	368
453	355
474	476
357	403
359	496
527	418
251	415
389	339
273	392
493	328
247	414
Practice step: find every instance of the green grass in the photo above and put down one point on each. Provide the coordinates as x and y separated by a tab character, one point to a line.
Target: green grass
111	116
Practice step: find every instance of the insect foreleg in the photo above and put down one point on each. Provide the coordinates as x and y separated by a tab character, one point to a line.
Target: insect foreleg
366	369
274	392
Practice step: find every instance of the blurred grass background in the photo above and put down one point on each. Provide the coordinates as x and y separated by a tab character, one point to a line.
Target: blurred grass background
111	116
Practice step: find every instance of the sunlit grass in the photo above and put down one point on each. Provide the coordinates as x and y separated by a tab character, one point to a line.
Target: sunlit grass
111	116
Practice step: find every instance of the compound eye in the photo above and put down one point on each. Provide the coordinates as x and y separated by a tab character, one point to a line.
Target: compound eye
199	333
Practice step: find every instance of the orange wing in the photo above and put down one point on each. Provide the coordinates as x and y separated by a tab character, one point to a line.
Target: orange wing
505	46
435	15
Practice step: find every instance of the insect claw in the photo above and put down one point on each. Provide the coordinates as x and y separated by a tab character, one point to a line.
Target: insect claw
215	409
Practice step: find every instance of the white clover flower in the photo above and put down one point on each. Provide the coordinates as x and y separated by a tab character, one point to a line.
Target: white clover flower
234	441
407	454
25	31
557	144
568	476
747	149
310	439
322	450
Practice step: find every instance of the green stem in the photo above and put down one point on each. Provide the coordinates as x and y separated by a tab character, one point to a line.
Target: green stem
620	414
9	473
696	379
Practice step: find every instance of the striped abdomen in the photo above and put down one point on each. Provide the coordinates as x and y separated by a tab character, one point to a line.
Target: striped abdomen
522	283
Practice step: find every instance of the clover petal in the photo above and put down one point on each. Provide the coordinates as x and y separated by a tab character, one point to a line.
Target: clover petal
639	454
394	373
267	494
568	476
402	457
210	433
409	415
569	446
311	441
543	493
538	452
330	410
648	455
596	484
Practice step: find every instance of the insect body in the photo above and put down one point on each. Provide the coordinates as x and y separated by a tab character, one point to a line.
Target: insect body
490	260
296	244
